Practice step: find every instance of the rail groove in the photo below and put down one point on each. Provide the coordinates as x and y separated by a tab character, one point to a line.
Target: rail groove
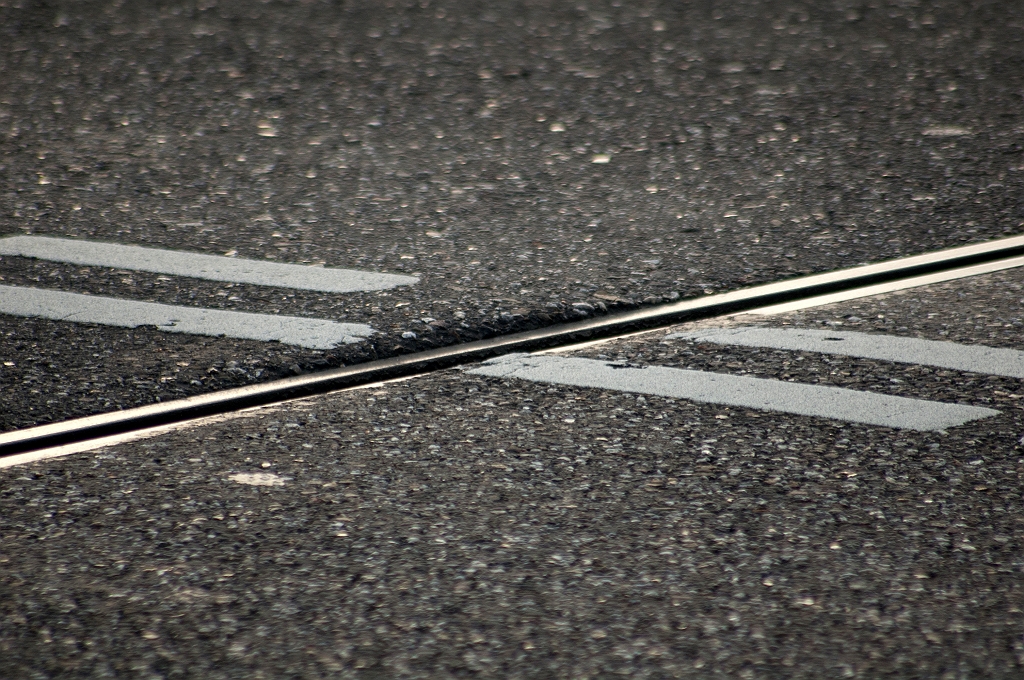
957	262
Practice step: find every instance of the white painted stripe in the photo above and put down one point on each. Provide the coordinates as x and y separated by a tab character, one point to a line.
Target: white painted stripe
200	266
732	390
291	330
972	358
891	287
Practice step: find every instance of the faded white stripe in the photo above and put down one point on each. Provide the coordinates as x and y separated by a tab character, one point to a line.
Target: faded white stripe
731	390
972	358
291	330
200	266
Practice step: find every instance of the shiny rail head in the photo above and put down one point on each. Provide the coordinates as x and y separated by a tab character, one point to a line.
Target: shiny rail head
546	339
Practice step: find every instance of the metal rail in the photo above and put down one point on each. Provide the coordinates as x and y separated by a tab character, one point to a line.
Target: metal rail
1000	254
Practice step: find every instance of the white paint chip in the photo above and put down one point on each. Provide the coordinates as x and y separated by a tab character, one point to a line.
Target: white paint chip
970	358
731	390
291	330
257	479
200	266
946	131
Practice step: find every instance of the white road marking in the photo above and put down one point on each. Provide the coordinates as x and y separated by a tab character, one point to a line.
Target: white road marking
972	358
291	330
258	479
946	131
732	390
200	266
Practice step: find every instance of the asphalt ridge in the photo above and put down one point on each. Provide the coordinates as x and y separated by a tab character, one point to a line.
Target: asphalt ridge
456	142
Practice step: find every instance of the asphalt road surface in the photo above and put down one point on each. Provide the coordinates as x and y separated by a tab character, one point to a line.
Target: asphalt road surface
466	524
522	163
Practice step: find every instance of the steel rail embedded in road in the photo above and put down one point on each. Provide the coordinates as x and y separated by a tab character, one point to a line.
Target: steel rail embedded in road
911	271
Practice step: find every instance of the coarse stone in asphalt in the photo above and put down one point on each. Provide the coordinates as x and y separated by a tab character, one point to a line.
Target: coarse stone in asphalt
456	524
745	142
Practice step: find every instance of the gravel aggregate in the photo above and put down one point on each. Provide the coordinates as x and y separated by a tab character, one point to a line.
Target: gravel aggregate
462	526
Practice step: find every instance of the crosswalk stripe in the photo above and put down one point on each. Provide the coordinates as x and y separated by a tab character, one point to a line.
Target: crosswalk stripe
732	390
291	330
941	354
200	266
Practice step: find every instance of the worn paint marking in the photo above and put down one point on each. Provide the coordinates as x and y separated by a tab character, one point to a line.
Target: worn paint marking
731	390
291	330
199	265
941	354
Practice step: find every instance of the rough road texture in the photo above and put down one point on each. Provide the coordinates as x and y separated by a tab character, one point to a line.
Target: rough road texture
745	142
461	527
